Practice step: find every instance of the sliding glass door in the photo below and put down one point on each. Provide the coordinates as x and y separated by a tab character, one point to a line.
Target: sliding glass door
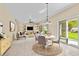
69	31
62	30
73	31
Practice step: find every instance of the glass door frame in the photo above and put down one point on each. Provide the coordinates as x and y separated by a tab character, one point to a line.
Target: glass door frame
59	38
67	19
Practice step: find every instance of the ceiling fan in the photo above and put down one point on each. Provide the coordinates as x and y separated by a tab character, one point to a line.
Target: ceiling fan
30	20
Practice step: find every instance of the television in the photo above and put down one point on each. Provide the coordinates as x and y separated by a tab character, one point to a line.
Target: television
29	28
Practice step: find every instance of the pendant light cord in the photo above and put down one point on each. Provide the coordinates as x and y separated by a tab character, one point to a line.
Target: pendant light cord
47	11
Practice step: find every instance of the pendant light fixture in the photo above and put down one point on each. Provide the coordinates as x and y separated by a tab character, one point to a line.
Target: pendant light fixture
47	11
47	18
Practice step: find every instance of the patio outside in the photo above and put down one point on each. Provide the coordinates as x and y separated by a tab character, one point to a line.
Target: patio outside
73	30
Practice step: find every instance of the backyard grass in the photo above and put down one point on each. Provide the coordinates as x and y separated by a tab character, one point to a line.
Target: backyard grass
73	36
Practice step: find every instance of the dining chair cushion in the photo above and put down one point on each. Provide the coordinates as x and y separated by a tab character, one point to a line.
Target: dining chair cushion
41	40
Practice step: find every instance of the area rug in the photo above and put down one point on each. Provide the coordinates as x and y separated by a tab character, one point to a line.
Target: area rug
54	50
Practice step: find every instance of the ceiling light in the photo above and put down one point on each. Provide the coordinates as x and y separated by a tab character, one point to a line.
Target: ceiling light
47	18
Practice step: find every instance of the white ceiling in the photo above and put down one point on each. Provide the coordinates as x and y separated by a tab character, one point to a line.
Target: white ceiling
35	11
